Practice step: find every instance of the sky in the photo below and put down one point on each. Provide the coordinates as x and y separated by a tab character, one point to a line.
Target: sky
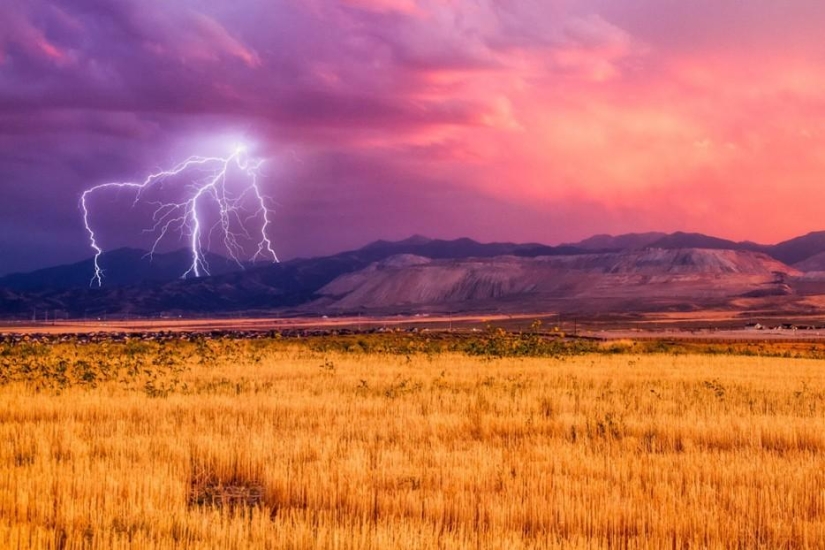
545	120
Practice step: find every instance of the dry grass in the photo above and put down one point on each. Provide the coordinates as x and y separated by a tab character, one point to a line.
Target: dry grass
284	447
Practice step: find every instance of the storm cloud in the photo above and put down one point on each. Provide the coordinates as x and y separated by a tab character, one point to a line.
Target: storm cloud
537	120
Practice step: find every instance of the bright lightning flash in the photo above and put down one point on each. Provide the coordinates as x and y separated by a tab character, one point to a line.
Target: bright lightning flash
208	188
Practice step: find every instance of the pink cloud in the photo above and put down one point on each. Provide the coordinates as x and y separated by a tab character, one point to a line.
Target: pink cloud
211	36
383	6
18	33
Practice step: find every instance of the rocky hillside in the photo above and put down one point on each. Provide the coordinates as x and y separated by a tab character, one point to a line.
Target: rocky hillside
684	276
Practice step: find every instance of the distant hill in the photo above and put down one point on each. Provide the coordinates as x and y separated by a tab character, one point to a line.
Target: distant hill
815	263
798	249
460	248
629	241
652	278
791	252
121	267
670	241
698	240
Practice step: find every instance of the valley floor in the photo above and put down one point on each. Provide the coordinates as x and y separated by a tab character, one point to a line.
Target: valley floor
273	444
721	324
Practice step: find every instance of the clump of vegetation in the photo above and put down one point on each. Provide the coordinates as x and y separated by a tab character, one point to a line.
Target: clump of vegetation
155	368
493	342
498	343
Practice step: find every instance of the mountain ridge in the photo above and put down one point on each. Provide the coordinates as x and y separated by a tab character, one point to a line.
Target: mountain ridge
483	274
790	251
121	267
171	265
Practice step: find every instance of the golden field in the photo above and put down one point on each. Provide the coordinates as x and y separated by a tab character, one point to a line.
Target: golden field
268	444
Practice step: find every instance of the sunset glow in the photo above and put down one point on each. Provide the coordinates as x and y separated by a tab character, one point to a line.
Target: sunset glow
544	120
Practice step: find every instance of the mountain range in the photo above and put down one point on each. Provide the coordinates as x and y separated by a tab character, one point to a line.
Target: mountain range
633	272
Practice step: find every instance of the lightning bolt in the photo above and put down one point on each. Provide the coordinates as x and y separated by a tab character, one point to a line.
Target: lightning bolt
187	216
